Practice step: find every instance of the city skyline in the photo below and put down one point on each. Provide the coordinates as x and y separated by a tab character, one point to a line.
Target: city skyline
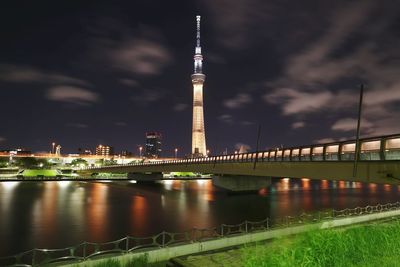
105	74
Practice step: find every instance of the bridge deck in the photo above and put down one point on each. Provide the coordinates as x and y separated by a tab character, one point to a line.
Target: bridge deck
379	162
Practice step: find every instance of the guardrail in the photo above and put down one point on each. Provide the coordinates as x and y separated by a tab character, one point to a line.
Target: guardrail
90	250
383	148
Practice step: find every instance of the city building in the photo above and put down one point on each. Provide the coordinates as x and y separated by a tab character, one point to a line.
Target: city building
126	153
153	145
17	151
102	150
85	151
198	78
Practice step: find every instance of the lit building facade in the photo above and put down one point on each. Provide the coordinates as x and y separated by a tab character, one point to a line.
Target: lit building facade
198	78
153	145
102	150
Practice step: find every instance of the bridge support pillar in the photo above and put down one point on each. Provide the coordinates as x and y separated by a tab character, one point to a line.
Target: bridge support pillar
145	177
241	183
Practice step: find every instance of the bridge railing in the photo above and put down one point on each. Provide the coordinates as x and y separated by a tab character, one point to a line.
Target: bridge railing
381	148
91	250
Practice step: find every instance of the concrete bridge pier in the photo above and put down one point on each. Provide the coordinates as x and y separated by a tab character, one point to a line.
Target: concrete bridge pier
241	183
145	177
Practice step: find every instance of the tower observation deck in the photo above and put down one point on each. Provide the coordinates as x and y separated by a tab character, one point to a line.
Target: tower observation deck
198	78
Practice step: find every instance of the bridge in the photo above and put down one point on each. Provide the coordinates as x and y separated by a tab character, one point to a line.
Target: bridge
378	161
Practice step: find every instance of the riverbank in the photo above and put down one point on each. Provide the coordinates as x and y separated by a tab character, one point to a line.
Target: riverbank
373	244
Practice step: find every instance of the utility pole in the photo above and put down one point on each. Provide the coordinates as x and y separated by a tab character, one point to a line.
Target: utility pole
357	148
257	146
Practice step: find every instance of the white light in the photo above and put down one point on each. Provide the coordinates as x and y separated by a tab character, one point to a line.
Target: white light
63	184
9	185
201	181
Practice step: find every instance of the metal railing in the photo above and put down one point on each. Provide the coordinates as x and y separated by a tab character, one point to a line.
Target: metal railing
89	250
383	148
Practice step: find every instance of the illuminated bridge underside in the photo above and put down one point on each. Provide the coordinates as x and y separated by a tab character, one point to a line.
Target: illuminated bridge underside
387	172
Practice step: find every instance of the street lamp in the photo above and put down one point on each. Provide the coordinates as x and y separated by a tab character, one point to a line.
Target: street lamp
208	152
140	151
52	150
176	153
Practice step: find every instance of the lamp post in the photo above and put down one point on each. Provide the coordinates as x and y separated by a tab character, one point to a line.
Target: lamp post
52	150
176	153
140	151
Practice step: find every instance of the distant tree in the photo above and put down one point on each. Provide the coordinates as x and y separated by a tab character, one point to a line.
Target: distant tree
110	162
31	163
4	162
79	162
99	162
43	163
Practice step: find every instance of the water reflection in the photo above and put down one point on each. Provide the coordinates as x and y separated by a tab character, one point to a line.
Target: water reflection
6	197
139	209
97	208
58	214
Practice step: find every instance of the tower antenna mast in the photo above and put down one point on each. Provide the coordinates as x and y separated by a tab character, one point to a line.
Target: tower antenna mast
198	31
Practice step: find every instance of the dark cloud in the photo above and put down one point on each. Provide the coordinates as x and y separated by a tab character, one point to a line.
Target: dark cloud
298	124
121	123
226	118
180	107
140	56
147	96
77	125
139	50
129	82
72	94
238	101
324	140
27	74
310	78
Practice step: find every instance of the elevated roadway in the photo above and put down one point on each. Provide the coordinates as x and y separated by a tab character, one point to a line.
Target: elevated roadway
379	162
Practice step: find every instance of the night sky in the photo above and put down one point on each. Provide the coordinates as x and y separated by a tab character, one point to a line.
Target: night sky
81	73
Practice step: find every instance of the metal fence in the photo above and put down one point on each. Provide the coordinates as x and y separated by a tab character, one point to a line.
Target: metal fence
86	250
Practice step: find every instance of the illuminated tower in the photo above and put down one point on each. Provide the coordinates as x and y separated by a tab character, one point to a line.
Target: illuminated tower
198	78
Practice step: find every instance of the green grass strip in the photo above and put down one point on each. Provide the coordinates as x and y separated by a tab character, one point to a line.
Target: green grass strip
365	245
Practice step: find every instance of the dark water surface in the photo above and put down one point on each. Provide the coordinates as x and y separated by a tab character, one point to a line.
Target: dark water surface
60	214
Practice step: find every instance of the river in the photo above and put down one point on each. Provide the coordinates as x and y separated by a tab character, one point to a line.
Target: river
64	213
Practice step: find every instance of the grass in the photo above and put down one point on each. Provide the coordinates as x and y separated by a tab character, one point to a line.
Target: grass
365	245
141	261
44	172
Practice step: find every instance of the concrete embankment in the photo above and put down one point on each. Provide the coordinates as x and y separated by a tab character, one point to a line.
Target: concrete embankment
166	253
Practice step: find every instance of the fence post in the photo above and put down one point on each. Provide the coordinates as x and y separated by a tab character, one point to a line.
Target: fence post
33	257
163	239
245	224
84	250
127	244
267	223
